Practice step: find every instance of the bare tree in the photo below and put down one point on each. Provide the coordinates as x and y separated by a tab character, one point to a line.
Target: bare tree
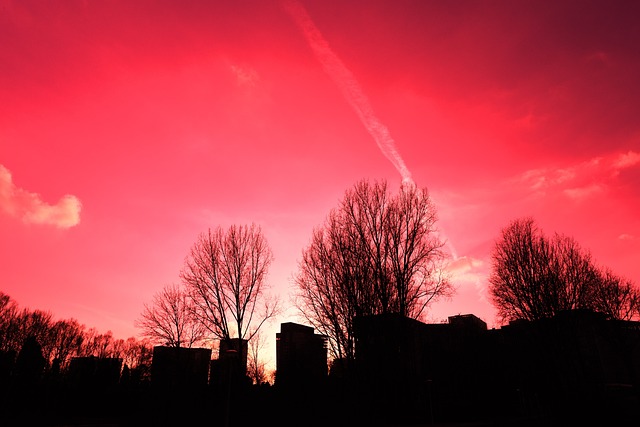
375	253
133	348
137	356
415	252
256	367
68	337
104	345
225	277
534	277
616	297
89	343
170	319
37	323
97	344
58	340
10	339
64	339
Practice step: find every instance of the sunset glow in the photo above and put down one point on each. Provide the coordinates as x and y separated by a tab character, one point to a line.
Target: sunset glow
128	128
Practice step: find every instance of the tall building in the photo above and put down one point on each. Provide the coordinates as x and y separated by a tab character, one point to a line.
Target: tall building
301	356
180	368
231	364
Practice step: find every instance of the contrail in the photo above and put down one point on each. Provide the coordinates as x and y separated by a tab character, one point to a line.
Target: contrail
352	92
348	85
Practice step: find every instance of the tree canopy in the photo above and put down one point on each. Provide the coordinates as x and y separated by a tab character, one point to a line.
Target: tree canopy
375	253
535	276
170	319
225	276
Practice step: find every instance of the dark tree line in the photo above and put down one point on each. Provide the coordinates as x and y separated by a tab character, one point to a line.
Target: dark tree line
61	340
535	276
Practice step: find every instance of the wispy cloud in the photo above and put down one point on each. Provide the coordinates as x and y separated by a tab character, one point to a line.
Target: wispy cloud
245	77
584	192
465	266
468	270
349	86
580	181
573	183
31	209
626	160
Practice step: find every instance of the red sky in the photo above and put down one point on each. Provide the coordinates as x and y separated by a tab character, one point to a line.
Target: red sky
127	128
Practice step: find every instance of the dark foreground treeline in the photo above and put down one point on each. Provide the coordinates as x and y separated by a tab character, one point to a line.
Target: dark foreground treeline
59	341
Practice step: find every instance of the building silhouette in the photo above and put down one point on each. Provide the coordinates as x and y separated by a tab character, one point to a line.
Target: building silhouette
576	366
180	368
301	357
94	372
230	368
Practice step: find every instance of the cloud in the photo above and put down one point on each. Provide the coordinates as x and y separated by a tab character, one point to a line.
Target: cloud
31	209
626	160
582	180
468	270
584	192
245	77
541	179
626	236
464	265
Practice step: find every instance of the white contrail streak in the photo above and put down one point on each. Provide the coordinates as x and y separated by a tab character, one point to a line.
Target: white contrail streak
348	85
352	92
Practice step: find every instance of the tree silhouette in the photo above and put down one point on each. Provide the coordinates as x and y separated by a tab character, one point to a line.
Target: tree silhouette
616	297
68	337
37	324
30	363
225	277
137	353
9	339
375	253
256	368
170	319
534	276
97	344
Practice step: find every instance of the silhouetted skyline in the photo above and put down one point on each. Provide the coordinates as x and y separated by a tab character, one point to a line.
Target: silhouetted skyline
126	129
577	366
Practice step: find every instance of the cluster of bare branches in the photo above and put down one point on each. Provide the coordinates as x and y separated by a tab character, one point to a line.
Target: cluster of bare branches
256	365
61	340
222	291
169	321
225	277
375	253
534	276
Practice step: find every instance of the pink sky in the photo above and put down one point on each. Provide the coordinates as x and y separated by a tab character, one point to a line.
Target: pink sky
127	128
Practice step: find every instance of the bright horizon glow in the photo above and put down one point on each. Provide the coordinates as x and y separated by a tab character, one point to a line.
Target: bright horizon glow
128	128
